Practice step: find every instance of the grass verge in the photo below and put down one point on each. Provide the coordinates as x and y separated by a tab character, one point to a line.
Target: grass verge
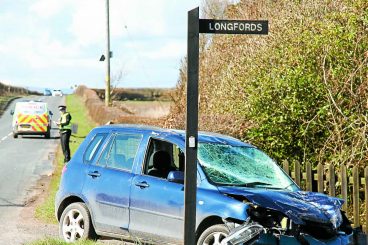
4	100
46	210
54	241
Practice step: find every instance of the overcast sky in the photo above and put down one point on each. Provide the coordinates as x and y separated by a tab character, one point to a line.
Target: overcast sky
58	43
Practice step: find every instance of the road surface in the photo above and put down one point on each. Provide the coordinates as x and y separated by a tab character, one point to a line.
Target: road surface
23	162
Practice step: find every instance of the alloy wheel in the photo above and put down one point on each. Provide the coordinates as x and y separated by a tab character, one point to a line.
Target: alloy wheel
214	238
73	225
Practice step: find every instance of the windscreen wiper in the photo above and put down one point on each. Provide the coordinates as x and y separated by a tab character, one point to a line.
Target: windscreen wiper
255	183
258	183
251	184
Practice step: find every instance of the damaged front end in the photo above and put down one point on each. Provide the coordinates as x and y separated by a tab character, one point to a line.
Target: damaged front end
277	211
281	217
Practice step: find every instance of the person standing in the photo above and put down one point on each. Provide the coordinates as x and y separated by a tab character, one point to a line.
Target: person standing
65	128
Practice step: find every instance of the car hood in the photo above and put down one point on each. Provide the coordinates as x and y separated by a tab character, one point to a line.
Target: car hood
299	206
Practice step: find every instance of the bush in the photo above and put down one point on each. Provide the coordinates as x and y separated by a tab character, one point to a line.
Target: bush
299	93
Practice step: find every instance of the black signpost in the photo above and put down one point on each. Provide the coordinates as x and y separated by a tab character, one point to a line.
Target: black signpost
196	26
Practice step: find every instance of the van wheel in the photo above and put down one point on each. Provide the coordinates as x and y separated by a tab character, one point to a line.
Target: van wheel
75	223
48	134
213	235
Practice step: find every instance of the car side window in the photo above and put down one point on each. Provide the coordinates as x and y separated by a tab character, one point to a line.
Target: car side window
163	157
121	151
93	148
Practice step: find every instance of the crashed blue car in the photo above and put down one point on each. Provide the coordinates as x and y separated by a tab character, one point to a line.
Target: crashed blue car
126	182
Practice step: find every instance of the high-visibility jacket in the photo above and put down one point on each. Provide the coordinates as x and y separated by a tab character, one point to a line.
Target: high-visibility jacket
65	122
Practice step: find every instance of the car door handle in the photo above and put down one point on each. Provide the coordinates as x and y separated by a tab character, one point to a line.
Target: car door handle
142	184
94	174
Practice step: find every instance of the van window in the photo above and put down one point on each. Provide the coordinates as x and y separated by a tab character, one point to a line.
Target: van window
31	108
121	151
93	147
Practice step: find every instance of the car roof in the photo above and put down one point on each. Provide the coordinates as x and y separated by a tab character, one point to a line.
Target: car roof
203	137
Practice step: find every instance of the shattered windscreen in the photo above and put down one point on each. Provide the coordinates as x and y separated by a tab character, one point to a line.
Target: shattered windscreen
241	166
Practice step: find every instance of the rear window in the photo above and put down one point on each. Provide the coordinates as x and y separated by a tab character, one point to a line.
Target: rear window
93	148
31	108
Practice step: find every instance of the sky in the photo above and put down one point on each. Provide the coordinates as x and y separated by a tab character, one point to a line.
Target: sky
58	43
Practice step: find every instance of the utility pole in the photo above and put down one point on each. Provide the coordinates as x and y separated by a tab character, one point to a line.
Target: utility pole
107	90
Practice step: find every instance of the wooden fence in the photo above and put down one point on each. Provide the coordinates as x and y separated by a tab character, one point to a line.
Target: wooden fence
346	183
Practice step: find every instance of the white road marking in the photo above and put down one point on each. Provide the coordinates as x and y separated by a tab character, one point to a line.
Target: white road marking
4	138
10	133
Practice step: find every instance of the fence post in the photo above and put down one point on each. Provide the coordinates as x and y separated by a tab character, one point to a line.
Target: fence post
356	196
331	180
297	172
344	187
366	199
320	177
285	166
309	180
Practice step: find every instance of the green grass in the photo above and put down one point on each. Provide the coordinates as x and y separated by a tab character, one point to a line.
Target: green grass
54	241
46	211
4	100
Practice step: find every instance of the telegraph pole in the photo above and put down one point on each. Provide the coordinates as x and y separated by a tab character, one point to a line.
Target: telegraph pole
107	90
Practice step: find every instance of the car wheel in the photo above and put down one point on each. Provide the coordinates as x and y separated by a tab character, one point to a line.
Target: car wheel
75	223
15	135
213	235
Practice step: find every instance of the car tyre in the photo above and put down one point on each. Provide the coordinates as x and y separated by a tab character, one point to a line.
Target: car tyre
213	235
75	223
15	135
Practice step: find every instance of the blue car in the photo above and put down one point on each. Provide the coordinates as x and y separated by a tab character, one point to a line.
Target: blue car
126	182
47	92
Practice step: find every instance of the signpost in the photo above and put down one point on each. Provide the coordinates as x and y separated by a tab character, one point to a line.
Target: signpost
233	26
196	26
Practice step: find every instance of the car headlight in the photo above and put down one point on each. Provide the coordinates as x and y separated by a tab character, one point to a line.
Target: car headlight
336	218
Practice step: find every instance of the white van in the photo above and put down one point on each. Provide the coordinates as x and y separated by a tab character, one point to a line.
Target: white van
31	118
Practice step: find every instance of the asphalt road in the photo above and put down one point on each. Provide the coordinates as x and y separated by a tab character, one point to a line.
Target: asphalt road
23	161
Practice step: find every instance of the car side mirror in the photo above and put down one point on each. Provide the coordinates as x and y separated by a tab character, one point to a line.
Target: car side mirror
11	112
50	112
176	177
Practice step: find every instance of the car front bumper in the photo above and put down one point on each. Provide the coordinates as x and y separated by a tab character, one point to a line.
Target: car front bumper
269	239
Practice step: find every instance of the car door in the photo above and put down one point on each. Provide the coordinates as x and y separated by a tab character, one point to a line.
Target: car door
156	208
107	187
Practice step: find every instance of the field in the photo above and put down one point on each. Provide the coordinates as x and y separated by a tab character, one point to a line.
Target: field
140	94
146	109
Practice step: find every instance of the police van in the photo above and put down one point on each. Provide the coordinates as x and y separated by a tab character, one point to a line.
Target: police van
31	118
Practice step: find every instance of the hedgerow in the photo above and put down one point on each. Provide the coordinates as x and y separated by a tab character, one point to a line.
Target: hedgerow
299	93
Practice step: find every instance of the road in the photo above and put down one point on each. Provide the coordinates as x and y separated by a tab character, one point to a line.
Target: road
23	162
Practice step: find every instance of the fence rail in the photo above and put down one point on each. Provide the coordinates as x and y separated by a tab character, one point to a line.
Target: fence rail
326	179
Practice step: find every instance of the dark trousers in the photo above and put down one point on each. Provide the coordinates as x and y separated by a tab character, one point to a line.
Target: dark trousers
64	137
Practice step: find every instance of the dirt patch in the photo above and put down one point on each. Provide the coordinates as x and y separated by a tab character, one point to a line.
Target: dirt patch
28	227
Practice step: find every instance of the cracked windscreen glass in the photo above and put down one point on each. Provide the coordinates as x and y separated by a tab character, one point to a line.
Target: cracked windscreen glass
241	166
